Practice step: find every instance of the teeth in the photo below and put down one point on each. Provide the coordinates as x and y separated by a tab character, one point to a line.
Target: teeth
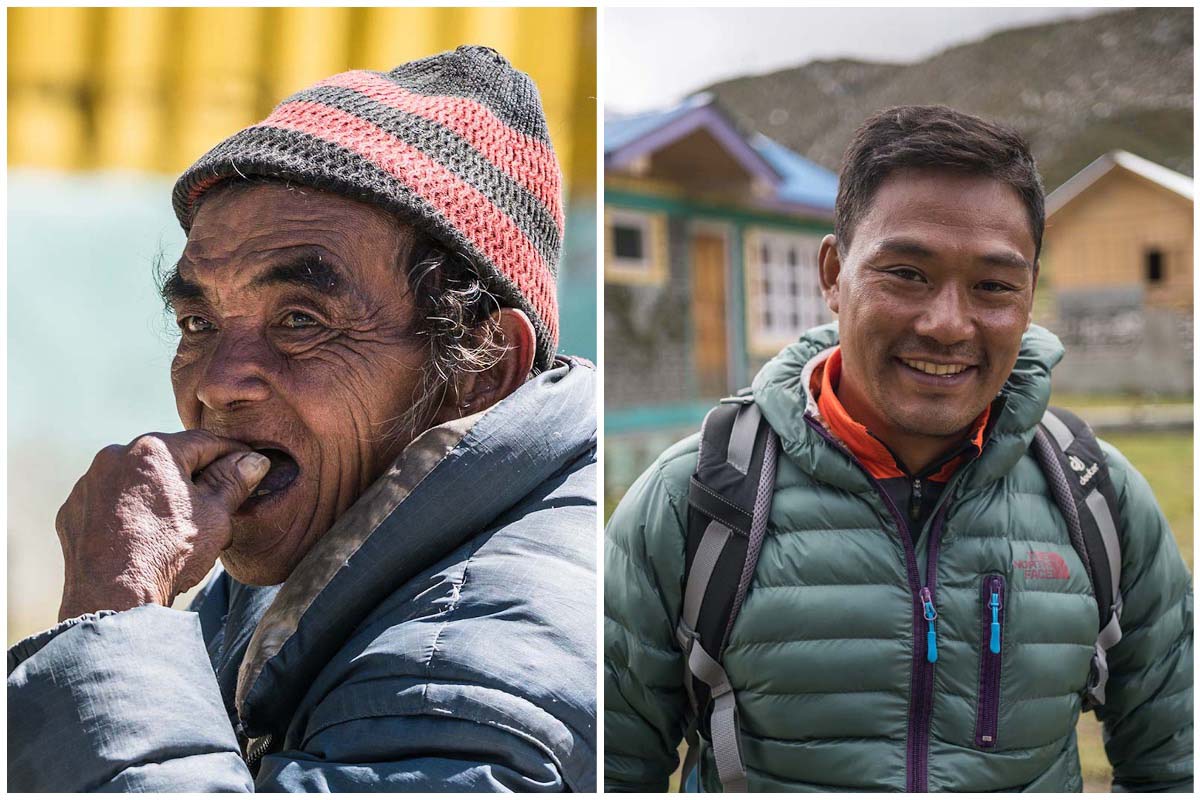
261	492
929	368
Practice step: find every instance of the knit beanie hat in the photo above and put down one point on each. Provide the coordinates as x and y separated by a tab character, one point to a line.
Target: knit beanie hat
454	144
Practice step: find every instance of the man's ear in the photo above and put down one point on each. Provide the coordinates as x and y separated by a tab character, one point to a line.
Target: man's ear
830	268
474	391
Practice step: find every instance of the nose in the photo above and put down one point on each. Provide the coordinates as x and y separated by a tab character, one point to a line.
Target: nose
947	317
235	373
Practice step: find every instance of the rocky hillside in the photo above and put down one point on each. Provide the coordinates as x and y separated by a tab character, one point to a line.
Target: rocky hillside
1076	88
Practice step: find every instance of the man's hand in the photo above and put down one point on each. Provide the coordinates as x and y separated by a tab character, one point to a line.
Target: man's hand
148	520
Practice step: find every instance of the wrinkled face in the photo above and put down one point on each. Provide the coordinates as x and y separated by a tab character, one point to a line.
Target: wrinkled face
932	298
293	311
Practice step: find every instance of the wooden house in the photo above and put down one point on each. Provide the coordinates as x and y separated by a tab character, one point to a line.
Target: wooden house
711	240
1117	259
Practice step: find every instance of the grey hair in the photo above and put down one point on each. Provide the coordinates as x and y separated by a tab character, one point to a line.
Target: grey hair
453	318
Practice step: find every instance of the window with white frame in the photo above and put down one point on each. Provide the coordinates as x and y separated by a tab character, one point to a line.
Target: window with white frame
635	246
783	288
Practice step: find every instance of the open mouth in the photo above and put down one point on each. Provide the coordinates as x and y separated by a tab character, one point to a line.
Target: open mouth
283	472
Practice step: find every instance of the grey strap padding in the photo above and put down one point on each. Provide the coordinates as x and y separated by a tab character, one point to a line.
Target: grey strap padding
727	749
711	544
709	550
1096	505
1063	498
741	440
726	732
1112	631
1062	434
1108	532
758	525
726	727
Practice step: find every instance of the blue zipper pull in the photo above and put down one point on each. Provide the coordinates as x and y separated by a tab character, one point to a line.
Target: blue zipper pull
995	606
930	616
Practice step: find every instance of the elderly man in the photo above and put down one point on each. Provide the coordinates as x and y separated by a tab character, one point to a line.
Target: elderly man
381	448
908	601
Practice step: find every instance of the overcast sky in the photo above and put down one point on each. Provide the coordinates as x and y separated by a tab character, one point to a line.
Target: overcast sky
655	56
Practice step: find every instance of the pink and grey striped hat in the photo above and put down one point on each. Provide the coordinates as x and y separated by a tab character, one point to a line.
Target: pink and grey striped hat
454	144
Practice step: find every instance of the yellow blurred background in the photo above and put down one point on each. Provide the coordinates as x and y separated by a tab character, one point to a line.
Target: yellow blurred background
154	88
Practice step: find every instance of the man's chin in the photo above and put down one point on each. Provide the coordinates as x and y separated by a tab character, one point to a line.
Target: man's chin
254	572
932	420
260	554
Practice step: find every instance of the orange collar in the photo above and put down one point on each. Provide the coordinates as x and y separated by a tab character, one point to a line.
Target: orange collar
871	452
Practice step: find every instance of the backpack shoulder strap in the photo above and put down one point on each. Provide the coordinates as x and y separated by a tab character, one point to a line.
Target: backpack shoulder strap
1074	465
729	501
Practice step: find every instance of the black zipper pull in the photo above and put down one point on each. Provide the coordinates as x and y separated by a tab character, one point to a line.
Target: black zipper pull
914	505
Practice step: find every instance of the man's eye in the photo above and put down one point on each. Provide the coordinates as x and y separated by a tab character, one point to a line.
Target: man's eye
907	273
298	319
195	324
995	286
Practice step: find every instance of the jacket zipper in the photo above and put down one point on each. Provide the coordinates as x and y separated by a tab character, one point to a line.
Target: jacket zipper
930	614
256	749
924	647
987	717
914	503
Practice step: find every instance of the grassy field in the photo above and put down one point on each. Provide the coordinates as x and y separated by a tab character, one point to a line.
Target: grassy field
1166	460
1086	401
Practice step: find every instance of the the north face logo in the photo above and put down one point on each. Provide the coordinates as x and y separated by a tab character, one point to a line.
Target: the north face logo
1043	566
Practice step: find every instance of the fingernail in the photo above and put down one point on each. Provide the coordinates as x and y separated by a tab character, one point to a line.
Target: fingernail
253	466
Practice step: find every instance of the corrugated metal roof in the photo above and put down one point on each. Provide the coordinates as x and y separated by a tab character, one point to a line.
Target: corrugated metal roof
804	182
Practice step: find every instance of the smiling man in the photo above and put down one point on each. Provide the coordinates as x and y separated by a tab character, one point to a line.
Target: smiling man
392	467
867	574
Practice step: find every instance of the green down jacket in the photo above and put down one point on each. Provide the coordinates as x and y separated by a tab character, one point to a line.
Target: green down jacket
822	655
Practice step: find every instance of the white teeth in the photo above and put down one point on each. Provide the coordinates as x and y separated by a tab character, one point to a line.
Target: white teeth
261	492
929	368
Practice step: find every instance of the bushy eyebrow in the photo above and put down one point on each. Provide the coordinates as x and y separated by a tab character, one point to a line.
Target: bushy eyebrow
308	270
905	248
910	248
176	288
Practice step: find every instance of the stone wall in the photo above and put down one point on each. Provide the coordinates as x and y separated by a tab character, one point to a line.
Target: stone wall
1115	343
647	334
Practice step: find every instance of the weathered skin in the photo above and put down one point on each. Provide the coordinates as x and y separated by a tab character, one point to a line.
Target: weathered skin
137	529
941	269
321	374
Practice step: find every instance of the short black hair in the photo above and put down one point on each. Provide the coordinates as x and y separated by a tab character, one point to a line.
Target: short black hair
934	137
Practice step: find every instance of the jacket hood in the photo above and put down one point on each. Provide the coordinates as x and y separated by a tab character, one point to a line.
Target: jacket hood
781	392
479	466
